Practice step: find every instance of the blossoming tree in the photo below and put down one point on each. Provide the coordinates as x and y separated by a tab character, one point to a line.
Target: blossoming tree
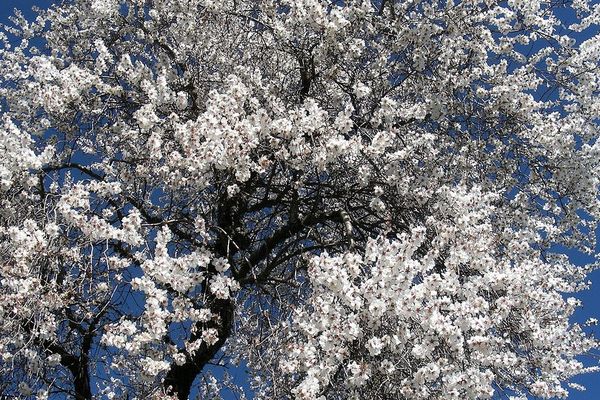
350	199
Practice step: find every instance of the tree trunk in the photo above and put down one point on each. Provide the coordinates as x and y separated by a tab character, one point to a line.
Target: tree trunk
180	378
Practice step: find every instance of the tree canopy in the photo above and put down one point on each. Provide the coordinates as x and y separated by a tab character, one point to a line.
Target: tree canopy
354	199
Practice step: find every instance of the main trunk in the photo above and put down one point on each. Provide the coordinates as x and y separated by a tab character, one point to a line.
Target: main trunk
180	378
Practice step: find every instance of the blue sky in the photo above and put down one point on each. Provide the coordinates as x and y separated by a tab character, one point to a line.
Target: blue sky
590	298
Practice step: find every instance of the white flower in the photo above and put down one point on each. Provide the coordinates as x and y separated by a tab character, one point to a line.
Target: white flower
210	336
181	101
152	368
361	90
232	190
374	346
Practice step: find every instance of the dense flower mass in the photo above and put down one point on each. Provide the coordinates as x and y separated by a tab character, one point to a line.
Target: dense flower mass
356	199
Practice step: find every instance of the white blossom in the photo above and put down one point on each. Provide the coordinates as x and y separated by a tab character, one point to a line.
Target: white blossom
351	200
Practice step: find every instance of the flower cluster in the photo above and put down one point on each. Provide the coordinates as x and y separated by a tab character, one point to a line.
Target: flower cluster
393	323
357	199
